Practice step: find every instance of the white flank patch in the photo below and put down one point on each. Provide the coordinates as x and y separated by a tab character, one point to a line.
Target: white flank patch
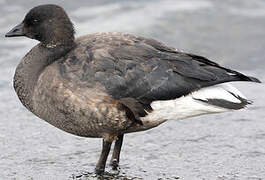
188	106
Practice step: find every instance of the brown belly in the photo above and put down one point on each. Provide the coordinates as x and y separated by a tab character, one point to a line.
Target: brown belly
75	116
78	110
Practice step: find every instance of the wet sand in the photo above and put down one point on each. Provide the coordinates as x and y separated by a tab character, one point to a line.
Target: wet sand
229	146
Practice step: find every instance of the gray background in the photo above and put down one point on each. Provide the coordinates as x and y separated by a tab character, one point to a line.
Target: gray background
223	146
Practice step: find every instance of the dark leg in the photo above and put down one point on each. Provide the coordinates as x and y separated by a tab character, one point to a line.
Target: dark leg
100	168
116	153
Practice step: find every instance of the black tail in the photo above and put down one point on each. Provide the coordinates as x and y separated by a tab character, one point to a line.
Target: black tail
224	103
235	76
242	77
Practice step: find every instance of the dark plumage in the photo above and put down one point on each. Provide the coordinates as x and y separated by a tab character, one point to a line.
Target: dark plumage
103	84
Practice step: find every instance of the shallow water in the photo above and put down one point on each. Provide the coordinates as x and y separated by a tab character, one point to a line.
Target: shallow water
229	146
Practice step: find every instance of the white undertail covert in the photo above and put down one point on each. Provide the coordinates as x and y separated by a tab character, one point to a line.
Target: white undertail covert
215	99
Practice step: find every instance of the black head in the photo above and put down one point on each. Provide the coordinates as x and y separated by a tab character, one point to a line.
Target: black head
48	24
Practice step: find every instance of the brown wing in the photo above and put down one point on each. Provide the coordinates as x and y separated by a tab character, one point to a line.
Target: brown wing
141	70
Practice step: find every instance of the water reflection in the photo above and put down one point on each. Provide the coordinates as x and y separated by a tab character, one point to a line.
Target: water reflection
106	176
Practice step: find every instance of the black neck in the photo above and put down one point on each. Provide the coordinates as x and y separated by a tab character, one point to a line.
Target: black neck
31	66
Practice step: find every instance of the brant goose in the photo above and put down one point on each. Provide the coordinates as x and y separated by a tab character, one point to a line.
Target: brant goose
104	85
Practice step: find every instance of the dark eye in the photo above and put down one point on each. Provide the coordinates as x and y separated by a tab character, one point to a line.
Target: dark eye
31	22
35	21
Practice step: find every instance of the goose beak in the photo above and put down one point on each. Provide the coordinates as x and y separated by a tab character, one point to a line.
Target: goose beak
16	31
